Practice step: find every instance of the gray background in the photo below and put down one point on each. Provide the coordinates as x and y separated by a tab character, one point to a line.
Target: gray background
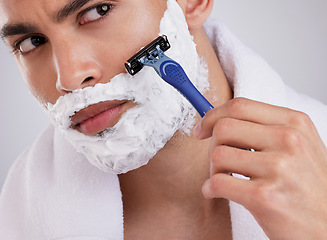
291	35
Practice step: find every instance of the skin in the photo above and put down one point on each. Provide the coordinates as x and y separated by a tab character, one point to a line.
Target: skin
192	171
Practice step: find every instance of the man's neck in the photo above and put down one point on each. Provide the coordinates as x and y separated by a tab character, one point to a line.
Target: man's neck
163	199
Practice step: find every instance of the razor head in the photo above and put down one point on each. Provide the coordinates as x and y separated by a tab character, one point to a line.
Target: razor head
134	65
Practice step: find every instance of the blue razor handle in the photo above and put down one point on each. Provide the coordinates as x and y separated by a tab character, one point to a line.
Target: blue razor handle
170	71
173	73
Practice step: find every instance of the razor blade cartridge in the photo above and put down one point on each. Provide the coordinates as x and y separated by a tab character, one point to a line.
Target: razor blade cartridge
134	64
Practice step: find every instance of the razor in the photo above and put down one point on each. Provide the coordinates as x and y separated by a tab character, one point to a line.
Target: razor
169	70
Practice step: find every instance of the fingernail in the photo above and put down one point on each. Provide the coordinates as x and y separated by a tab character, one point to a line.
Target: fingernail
197	130
206	189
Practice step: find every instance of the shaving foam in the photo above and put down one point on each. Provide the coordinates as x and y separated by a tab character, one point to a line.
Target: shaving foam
160	110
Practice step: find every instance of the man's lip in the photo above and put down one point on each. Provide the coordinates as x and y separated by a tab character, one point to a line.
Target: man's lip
98	117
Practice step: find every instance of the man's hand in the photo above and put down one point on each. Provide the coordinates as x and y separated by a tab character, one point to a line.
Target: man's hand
287	190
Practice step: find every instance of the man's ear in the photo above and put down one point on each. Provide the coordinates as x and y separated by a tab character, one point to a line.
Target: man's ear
196	11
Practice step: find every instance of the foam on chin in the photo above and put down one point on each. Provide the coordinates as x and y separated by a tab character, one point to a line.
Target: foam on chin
143	130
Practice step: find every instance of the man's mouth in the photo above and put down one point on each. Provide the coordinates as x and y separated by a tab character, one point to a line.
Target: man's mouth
98	117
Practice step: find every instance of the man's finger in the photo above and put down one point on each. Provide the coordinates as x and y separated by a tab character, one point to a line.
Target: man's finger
228	187
251	111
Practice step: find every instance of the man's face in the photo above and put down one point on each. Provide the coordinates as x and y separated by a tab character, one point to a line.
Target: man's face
72	56
65	45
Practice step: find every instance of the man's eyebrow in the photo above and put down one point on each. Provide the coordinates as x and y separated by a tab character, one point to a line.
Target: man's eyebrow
26	28
69	9
17	29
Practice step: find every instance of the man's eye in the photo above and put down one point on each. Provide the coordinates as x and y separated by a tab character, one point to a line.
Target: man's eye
95	13
29	44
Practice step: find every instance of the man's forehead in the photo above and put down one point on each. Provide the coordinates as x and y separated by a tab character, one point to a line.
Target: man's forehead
3	15
15	10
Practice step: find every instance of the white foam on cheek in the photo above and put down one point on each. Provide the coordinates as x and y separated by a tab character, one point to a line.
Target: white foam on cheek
183	48
143	130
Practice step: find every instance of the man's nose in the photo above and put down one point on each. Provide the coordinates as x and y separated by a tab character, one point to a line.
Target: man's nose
76	66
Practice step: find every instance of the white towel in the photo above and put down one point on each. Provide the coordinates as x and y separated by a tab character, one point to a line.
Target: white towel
52	192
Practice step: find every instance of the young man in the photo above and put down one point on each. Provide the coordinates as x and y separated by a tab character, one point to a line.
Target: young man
72	54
